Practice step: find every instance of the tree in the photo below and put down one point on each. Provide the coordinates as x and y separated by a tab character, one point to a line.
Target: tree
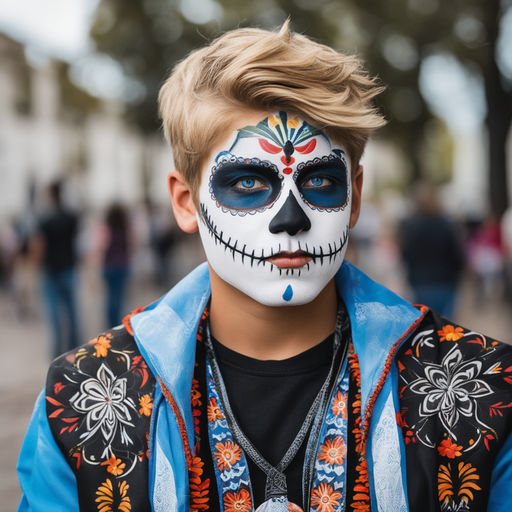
393	37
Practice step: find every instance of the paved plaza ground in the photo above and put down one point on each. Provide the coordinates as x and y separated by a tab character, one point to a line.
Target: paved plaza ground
25	348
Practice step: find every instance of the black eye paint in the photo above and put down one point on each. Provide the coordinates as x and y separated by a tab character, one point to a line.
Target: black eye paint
228	189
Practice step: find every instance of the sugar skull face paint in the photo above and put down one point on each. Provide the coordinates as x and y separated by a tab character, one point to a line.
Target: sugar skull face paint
275	210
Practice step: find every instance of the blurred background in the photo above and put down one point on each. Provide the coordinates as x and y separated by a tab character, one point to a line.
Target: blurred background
86	229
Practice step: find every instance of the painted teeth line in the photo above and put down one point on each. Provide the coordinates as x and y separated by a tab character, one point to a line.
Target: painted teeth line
219	239
316	254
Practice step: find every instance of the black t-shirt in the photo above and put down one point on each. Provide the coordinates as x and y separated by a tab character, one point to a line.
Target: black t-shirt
270	400
59	230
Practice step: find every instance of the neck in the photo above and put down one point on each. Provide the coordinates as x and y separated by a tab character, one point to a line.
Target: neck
263	332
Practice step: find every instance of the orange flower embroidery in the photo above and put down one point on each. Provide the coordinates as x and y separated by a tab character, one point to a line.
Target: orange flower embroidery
199	496
113	499
449	449
195	470
227	455
195	394
340	405
324	498
237	501
114	465
361	496
333	451
146	405
214	412
450	333
101	344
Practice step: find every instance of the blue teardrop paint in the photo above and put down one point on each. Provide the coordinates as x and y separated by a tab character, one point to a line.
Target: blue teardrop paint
288	293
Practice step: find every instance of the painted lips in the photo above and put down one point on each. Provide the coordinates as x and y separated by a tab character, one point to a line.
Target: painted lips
287	259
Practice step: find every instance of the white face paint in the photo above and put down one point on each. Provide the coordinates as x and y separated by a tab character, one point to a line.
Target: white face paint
275	210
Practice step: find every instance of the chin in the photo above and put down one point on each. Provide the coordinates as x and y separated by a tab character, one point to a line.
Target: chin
281	292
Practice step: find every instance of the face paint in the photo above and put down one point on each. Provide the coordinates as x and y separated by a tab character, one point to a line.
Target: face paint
275	210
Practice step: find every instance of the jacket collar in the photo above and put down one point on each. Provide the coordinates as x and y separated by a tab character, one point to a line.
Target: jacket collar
166	331
378	319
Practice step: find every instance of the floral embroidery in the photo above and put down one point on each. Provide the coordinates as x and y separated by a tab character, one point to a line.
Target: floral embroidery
237	501
324	498
214	412
195	470
447	448
146	405
227	454
339	406
199	495
333	451
114	465
102	344
451	389
359	497
454	497
93	400
198	474
450	333
195	394
113	498
228	460
107	408
454	398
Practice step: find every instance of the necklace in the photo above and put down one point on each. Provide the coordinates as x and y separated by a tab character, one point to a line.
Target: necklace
276	489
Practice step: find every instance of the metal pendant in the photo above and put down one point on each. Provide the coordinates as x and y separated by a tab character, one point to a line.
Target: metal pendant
278	504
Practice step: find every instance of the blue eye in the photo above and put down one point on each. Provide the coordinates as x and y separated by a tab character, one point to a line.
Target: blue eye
324	185
241	186
250	185
317	182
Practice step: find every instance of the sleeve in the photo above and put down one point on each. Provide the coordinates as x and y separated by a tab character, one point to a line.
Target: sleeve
47	481
500	496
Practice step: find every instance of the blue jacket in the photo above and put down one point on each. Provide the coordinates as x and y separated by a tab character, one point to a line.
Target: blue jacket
166	333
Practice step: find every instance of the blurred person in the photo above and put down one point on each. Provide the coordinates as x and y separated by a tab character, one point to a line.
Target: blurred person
116	259
487	258
506	235
52	249
9	248
162	241
432	253
276	376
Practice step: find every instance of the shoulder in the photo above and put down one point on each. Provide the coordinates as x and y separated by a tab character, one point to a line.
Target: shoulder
436	337
99	400
460	378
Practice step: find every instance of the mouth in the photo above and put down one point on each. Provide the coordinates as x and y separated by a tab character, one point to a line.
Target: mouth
285	259
288	262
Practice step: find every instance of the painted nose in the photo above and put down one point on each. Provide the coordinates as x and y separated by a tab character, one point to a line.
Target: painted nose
290	218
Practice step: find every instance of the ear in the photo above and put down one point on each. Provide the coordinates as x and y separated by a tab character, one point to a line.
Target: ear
182	202
357	186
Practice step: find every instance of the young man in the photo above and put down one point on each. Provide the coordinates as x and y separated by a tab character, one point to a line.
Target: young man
274	377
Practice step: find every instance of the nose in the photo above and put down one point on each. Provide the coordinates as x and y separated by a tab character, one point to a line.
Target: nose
290	218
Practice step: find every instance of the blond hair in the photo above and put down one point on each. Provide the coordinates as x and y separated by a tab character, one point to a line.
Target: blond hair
263	70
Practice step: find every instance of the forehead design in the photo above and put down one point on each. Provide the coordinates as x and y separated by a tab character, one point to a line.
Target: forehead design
283	133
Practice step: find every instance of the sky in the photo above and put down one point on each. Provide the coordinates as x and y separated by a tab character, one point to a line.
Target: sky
60	28
57	27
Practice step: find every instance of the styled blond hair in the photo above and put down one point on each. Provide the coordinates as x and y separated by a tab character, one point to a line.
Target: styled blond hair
263	70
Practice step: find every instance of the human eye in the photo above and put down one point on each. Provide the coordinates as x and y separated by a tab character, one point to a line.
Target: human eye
250	184
323	186
317	182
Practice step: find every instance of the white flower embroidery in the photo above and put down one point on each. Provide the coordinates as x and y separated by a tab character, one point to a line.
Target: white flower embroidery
106	406
451	389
